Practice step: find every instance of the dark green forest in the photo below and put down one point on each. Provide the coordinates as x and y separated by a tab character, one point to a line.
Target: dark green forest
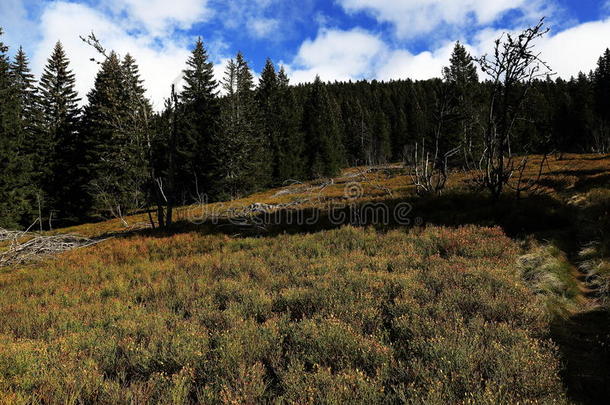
63	164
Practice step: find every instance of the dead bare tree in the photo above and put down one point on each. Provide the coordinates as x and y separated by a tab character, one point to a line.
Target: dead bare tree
431	171
512	69
431	168
523	183
601	137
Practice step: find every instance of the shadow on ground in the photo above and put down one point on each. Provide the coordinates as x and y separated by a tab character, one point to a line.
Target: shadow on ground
583	339
583	342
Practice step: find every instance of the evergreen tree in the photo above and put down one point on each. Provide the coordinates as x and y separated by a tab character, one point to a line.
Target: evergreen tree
324	149
240	147
27	92
59	160
289	144
355	131
258	174
601	85
462	79
199	125
417	122
381	151
400	134
138	126
115	139
280	125
267	97
14	166
582	113
462	70
33	143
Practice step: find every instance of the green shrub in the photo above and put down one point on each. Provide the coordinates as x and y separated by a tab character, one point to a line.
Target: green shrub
434	315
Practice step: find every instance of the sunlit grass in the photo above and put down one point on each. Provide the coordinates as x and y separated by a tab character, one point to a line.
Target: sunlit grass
349	315
437	315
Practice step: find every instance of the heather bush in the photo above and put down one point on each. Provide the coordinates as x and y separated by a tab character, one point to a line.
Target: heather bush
436	315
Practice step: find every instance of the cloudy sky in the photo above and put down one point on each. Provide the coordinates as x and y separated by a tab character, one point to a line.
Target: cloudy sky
337	39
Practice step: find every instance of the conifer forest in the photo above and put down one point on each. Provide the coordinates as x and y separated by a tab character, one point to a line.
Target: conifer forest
256	239
69	164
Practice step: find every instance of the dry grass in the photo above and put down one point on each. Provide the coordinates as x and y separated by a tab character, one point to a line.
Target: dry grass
350	315
561	179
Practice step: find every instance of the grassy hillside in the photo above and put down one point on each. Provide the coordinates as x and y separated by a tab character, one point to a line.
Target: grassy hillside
483	303
431	315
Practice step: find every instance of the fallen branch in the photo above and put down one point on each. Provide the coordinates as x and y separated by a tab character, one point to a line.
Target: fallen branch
41	247
9	235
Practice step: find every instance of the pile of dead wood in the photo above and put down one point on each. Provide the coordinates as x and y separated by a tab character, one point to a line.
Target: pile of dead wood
25	247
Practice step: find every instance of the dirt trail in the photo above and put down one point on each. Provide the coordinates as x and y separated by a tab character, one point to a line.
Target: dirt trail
584	337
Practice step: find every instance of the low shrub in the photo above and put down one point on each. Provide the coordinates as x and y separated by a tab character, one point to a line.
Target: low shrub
436	315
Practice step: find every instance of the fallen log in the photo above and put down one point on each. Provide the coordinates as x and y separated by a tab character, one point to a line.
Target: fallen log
25	249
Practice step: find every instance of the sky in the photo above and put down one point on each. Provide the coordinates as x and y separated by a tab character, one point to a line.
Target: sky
335	39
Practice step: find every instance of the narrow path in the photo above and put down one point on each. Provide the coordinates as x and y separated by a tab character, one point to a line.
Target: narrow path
583	340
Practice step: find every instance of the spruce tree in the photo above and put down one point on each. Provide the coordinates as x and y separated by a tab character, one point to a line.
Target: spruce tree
26	85
139	116
289	143
267	96
382	147
59	99
257	168
462	79
33	143
582	112
14	165
601	86
230	143
115	139
61	157
462	70
324	148
200	110
239	148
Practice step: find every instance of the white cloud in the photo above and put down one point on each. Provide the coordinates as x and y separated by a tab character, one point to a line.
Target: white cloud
567	52
359	54
160	63
260	18
262	27
342	55
338	55
425	65
576	49
16	23
159	17
416	17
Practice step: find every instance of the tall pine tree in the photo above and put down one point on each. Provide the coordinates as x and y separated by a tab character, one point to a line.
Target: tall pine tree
601	86
33	143
14	165
267	98
115	139
289	142
61	156
324	149
199	123
462	79
239	149
27	91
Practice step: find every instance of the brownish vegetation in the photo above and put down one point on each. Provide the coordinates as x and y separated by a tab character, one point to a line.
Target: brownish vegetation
432	314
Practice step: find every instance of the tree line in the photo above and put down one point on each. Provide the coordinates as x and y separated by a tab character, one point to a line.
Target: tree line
62	163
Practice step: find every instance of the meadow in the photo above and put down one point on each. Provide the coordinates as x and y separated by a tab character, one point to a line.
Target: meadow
473	301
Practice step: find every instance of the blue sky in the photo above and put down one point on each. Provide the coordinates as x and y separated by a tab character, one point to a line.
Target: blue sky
337	39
